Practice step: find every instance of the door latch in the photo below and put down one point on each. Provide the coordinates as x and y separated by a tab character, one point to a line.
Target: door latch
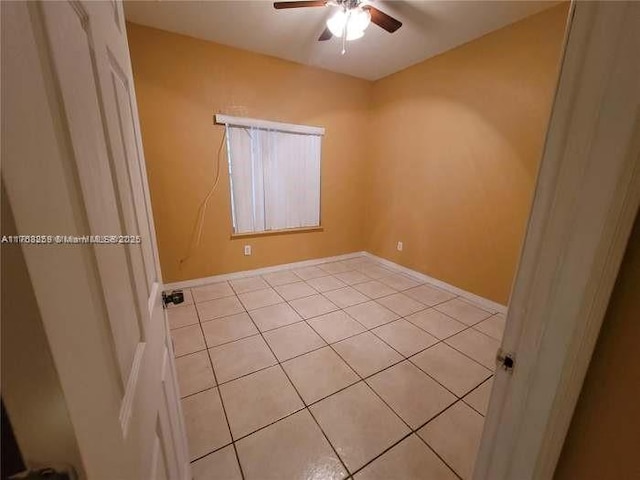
505	360
175	296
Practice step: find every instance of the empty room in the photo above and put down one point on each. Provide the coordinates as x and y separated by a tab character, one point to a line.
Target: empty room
275	159
320	239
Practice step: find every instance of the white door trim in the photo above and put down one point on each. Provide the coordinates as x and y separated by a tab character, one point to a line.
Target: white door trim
72	165
585	203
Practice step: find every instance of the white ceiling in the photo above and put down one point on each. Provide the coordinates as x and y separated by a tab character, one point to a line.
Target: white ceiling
429	28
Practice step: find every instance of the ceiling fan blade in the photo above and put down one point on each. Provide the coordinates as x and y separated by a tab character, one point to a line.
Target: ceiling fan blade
325	35
383	20
301	4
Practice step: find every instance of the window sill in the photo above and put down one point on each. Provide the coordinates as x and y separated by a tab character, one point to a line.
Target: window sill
285	231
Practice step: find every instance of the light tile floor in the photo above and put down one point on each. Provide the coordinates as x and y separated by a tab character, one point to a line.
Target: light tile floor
342	370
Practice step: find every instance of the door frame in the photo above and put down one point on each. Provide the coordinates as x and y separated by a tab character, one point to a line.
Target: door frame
568	266
586	199
44	190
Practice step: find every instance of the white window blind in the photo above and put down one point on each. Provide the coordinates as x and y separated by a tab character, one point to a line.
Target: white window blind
274	170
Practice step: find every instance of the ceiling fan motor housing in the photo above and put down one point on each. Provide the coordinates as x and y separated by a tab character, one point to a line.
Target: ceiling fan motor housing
350	4
376	16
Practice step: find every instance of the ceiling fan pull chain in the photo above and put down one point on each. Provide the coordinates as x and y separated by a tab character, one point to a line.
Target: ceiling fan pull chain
344	33
350	18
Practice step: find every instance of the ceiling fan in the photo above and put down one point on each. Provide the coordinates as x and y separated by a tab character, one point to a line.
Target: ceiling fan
350	20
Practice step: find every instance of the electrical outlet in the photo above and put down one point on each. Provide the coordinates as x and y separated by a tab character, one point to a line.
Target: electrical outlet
399	247
247	249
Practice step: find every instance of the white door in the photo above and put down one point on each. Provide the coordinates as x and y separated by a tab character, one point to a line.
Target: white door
73	166
586	199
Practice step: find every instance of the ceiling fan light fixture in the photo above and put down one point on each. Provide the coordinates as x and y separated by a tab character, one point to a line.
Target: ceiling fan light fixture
359	19
337	22
354	34
354	21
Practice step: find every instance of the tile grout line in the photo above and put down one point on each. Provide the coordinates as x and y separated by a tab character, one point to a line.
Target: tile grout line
404	357
363	379
224	410
233	442
369	299
305	407
259	332
398	442
296	390
473	390
408	358
376	299
411	431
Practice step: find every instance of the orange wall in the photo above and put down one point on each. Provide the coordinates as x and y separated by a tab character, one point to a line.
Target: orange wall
441	156
604	436
180	83
458	141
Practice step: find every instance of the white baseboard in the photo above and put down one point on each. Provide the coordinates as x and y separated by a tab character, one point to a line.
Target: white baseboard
197	282
485	303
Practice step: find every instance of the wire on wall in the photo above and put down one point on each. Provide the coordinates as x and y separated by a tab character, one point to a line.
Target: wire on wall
196	231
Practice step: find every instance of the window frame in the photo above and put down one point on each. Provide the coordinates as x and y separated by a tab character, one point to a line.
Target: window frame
245	122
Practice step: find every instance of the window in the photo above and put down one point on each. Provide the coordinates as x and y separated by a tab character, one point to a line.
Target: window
274	169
